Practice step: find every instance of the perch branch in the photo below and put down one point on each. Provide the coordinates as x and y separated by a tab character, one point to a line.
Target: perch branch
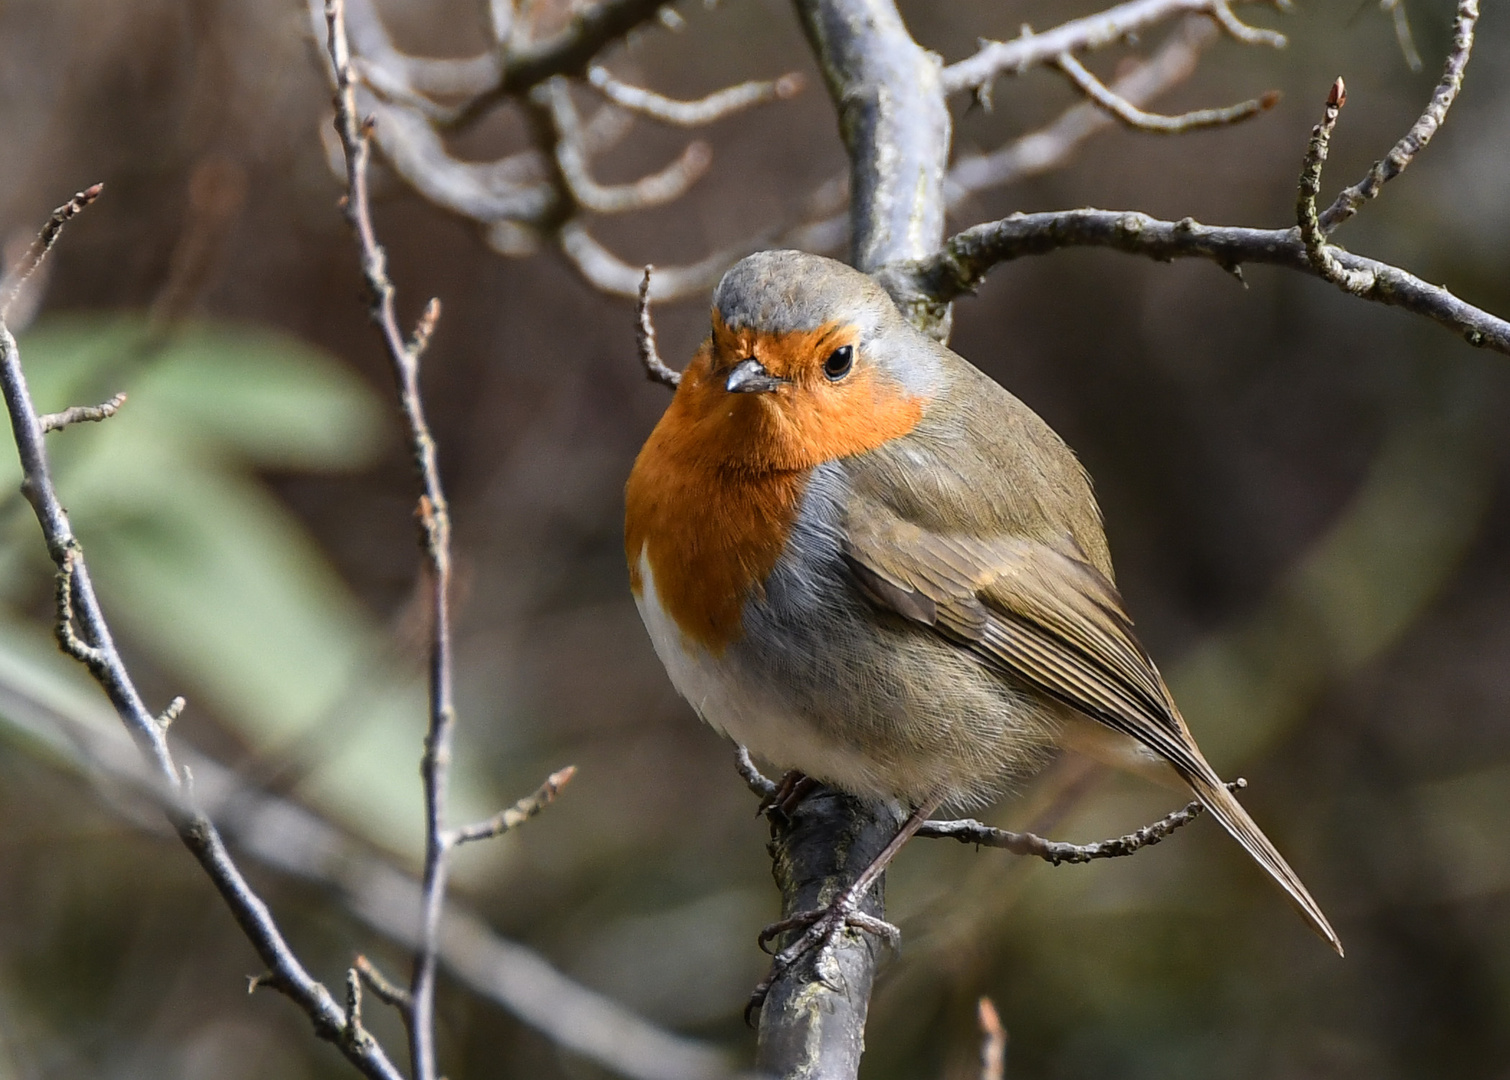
1420	133
1135	117
697	113
1097	31
285	973
78	414
656	369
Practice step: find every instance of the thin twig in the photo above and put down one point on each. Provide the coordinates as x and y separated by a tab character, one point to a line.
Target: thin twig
291	840
1048	148
78	414
1403	37
656	369
387	991
656	189
606	272
1093	32
77	601
1322	256
521	63
993	1041
517	814
174	710
355	1035
1135	117
1222	12
970	831
435	530
1420	133
703	111
16	277
968	256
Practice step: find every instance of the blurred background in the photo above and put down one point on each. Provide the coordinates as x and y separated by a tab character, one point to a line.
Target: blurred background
1308	498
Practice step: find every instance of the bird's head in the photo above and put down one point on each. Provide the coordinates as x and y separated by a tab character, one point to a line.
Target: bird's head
809	360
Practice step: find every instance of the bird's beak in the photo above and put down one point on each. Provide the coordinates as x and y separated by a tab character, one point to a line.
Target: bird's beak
750	377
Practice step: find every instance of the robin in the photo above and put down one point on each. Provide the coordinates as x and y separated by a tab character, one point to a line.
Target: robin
865	561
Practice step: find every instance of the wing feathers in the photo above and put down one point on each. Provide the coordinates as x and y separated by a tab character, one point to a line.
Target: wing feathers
1048	618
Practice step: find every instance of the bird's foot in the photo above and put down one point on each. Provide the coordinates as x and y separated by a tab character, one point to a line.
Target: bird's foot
790	790
821	927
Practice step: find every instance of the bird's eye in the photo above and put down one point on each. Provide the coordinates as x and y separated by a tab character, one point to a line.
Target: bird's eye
839	362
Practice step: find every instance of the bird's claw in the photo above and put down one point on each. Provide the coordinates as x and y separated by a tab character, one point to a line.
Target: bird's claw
789	792
821	928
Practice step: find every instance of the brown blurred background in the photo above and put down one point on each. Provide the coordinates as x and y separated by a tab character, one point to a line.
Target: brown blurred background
1306	496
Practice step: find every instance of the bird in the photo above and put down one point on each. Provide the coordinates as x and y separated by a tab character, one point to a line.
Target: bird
867	562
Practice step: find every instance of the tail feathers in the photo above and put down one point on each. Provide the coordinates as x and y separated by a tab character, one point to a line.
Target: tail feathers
1236	821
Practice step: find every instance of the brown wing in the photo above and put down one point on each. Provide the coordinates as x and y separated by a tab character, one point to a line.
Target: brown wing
1041	615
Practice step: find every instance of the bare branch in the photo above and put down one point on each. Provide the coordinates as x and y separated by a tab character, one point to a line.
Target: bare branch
77	600
697	113
292	840
657	189
969	831
501	20
1323	256
435	526
1046	149
1407	42
1420	133
511	188
387	991
993	1042
67	637
78	414
412	77
968	256
1221	11
1092	32
605	271
519	813
516	66
171	713
656	369
1135	117
897	138
17	276
354	1035
569	51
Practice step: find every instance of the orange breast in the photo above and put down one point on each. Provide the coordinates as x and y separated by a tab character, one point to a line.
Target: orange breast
710	533
718	485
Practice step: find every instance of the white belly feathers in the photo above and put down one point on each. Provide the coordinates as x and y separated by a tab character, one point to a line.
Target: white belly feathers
733	702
